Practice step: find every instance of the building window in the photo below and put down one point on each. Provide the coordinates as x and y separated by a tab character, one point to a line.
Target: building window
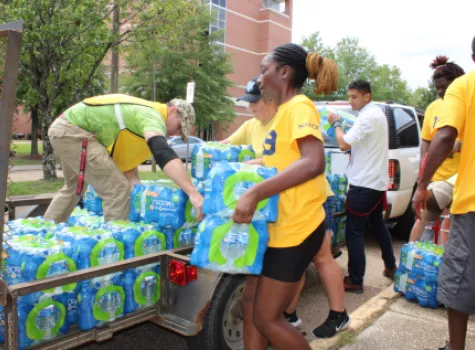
218	18
276	5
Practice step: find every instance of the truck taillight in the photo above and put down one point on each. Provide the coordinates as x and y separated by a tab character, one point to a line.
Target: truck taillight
181	273
394	175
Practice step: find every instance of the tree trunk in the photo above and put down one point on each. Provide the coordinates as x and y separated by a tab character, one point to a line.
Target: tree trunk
49	163
35	124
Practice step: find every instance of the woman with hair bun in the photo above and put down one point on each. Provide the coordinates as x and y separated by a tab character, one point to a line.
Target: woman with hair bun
294	145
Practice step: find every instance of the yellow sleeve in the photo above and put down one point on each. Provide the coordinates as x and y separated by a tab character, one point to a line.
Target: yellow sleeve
454	112
305	121
329	189
428	124
241	136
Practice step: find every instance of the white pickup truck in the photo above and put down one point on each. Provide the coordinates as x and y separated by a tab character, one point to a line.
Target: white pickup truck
404	124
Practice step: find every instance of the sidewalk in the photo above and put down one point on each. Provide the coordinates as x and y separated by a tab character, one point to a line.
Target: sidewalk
35	172
395	324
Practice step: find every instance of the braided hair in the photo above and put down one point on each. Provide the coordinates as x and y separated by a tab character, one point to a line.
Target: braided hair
445	69
323	70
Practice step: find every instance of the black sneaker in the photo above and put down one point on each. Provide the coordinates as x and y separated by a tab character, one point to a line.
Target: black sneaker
336	321
293	319
446	347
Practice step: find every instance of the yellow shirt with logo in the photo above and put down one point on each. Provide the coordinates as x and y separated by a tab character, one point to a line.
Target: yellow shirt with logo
301	207
252	132
450	166
459	113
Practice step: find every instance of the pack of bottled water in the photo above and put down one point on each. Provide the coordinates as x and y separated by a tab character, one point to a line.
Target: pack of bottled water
184	237
347	121
31	226
101	300
92	247
81	217
227	182
221	245
142	287
42	318
204	157
30	258
418	271
339	186
162	203
92	201
138	238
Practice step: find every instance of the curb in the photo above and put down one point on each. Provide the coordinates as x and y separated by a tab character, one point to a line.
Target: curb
360	317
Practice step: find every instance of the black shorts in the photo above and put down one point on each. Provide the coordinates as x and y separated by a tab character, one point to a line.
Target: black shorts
289	264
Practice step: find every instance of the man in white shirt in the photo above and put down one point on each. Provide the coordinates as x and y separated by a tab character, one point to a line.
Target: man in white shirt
368	178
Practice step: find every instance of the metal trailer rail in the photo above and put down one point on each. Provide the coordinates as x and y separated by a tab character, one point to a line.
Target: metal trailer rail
165	313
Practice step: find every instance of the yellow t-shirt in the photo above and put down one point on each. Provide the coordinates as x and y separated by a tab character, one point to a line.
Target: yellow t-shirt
450	166
301	207
252	132
459	112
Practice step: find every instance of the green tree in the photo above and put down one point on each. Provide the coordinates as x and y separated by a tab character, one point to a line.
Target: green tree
356	62
64	45
183	50
424	96
387	84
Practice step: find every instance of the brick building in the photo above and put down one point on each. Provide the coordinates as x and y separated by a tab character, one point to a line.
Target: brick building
251	28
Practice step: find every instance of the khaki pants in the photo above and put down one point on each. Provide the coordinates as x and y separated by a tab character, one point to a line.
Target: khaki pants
101	173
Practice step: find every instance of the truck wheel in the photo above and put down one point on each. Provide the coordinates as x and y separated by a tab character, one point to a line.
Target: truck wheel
223	323
404	224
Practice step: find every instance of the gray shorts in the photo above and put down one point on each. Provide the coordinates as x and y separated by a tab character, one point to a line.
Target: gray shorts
457	273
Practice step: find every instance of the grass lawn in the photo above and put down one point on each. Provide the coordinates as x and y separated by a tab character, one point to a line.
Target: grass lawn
34	187
23	150
41	186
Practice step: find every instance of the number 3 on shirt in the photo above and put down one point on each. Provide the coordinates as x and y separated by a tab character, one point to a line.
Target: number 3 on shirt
269	143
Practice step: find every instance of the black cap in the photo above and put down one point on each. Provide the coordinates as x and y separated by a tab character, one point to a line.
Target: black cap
253	93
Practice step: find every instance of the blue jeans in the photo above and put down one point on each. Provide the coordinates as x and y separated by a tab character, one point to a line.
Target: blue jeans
361	201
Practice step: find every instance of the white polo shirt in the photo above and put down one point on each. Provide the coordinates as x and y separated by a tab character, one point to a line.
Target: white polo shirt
368	139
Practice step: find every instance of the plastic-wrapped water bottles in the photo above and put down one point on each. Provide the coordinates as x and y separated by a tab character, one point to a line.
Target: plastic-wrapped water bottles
30	258
142	287
92	201
93	247
227	182
162	203
418	271
31	226
101	300
224	246
205	157
184	237
41	318
347	121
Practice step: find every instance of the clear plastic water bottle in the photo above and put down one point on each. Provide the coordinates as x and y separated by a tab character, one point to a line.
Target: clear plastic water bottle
47	320
200	164
231	248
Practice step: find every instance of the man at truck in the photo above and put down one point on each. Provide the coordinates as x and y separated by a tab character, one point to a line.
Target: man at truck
103	139
368	178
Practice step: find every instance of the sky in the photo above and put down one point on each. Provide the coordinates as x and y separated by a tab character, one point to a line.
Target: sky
407	33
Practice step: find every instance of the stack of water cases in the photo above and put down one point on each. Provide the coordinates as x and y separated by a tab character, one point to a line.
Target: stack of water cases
27	257
347	121
204	157
418	271
220	244
339	187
